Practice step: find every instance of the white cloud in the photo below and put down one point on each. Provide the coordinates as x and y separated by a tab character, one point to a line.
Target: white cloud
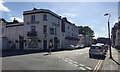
116	21
69	15
19	19
70	21
2	7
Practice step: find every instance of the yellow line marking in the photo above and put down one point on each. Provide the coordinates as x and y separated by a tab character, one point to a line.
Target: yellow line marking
97	66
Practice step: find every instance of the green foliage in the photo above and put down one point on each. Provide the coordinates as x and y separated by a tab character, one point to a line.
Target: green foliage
86	30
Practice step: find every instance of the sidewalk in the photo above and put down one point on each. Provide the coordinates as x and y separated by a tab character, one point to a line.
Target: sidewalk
113	65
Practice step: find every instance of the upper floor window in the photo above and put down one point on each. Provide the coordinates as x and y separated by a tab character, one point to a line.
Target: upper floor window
44	17
33	28
33	18
68	27
51	31
45	29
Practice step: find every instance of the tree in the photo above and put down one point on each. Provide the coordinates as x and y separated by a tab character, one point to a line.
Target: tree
86	30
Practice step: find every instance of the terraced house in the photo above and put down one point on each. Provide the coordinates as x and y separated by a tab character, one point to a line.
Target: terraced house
116	35
40	27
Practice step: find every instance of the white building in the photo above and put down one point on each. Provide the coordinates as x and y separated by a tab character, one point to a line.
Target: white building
40	27
71	32
3	38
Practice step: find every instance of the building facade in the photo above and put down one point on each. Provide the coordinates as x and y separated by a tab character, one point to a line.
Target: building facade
116	35
70	32
40	27
117	40
113	35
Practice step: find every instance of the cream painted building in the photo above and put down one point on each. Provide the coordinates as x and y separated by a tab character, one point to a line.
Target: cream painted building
40	27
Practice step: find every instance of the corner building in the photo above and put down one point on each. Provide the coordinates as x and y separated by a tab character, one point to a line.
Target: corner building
40	27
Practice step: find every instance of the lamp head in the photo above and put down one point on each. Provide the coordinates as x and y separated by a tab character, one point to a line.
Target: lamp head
106	14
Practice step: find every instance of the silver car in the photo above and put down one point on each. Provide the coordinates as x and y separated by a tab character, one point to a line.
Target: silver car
96	50
71	47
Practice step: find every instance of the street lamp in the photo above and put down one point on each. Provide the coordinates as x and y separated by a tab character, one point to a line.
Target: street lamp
109	34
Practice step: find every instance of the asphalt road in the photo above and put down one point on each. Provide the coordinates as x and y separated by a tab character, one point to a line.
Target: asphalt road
62	60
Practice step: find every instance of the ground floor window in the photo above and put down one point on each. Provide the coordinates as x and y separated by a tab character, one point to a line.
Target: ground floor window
33	42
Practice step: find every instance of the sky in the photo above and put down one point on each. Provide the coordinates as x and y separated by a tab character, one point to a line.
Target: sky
81	13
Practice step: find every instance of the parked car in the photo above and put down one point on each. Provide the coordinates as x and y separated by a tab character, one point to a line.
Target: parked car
82	46
79	46
100	44
71	47
106	47
96	50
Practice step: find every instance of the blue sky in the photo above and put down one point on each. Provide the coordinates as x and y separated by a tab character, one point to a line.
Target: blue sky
81	13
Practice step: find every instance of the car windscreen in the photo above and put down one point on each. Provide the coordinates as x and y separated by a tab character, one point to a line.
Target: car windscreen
96	47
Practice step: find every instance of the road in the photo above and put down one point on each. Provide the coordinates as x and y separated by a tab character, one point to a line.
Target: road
61	60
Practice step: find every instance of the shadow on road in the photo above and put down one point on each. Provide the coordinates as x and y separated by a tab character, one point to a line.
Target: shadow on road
24	52
46	54
18	52
116	62
99	57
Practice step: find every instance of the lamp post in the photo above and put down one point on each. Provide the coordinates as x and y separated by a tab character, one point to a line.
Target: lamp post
109	34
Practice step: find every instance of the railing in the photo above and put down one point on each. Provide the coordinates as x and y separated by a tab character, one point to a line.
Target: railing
32	33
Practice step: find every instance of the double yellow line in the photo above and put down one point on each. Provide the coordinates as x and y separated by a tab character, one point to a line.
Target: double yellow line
97	66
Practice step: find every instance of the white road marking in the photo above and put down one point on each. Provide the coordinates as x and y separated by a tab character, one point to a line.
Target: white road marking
75	62
82	68
70	62
81	64
89	68
66	60
76	65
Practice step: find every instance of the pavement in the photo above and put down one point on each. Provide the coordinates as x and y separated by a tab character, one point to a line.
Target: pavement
111	65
